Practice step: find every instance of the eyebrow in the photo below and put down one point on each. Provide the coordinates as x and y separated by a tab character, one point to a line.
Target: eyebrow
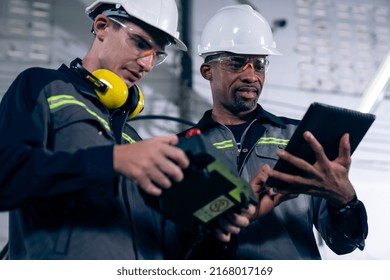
159	38
149	38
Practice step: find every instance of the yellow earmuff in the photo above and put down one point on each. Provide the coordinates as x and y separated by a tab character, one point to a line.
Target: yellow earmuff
139	104
112	90
116	92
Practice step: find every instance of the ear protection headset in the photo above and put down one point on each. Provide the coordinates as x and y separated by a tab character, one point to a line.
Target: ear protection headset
111	89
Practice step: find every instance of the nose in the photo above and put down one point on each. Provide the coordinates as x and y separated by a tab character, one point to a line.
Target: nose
248	76
248	65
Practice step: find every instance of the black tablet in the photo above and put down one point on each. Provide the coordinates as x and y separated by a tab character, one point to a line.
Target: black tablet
328	124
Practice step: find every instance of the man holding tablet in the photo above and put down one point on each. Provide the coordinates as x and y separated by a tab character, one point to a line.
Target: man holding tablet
235	44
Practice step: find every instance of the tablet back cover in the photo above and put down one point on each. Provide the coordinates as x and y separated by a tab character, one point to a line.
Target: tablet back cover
328	124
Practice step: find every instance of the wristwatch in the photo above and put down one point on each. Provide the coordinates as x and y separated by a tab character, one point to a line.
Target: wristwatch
348	208
351	221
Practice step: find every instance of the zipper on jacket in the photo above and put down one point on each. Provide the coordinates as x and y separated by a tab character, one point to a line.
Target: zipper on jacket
234	141
248	152
117	120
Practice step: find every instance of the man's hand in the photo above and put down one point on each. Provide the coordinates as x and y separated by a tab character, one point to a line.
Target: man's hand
267	199
325	178
231	223
151	163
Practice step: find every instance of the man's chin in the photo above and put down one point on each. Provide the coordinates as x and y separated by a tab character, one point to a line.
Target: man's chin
245	106
129	84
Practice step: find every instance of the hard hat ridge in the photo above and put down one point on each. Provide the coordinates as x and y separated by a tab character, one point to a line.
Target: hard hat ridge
237	29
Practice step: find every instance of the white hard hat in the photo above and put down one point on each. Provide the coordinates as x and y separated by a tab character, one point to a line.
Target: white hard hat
237	29
161	14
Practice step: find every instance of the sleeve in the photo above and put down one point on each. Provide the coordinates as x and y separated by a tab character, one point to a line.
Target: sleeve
30	171
351	220
343	231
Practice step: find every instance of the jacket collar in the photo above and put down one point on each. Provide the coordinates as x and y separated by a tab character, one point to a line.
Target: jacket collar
260	115
79	82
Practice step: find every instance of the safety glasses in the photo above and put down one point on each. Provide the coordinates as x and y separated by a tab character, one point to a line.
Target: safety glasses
239	63
143	46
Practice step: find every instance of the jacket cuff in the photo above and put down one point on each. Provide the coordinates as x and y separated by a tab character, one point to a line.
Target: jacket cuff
351	221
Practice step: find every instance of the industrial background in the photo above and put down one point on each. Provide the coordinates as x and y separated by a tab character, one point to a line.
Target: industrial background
332	51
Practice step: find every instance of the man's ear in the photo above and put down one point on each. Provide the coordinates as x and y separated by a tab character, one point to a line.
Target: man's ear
205	70
100	25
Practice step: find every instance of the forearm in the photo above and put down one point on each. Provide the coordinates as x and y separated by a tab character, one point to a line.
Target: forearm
31	173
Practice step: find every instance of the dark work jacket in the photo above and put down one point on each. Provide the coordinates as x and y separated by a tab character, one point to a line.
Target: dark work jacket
57	178
287	232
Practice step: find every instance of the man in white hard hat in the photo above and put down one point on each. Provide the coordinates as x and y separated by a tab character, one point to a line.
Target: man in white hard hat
235	44
74	173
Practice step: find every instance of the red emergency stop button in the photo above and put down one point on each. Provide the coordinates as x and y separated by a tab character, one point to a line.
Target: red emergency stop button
192	132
